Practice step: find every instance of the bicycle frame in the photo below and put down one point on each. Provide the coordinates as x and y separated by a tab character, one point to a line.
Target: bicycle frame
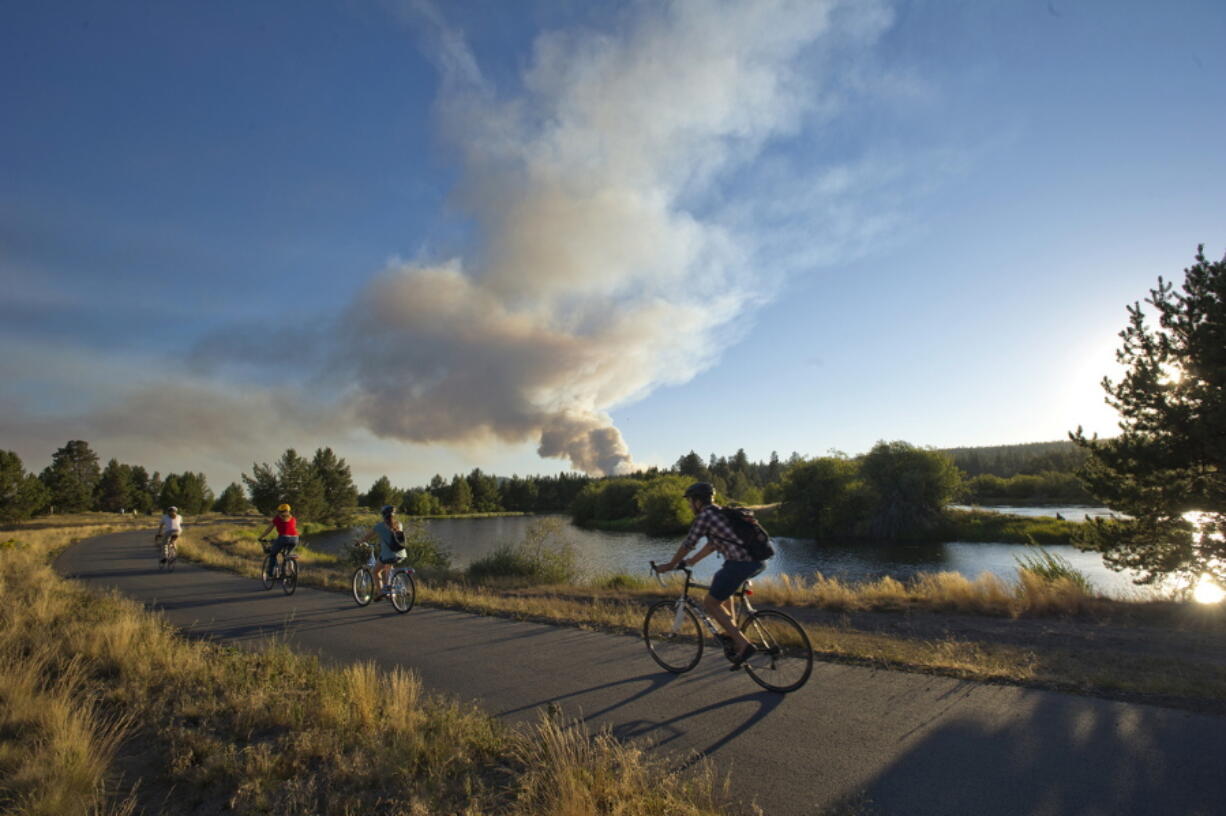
741	608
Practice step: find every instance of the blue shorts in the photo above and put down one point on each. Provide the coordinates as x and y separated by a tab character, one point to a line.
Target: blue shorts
393	558
731	575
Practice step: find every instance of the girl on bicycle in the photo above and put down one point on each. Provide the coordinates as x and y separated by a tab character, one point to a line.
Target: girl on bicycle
391	547
287	532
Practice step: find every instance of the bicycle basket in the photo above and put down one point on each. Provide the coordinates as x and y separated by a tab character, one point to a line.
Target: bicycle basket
360	553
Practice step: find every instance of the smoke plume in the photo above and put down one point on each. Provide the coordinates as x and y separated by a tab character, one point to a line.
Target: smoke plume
594	278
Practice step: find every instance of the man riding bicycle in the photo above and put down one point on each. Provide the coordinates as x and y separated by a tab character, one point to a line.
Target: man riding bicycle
170	527
391	547
287	532
738	566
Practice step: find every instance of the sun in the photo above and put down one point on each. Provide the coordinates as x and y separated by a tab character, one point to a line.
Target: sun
1208	592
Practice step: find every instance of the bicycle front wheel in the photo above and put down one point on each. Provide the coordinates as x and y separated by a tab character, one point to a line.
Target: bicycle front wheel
266	574
363	586
289	576
172	554
673	637
784	659
403	592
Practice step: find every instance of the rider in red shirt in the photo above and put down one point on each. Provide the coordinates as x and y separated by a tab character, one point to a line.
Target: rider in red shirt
287	531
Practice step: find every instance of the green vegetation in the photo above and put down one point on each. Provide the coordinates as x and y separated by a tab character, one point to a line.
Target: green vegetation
978	525
85	678
1051	568
1046	487
1170	458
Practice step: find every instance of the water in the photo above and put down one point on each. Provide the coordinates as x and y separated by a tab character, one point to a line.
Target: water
599	553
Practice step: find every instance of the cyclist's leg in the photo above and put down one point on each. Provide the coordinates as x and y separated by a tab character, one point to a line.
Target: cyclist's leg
725	583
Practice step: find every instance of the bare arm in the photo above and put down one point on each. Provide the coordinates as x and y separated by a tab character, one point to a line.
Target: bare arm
703	553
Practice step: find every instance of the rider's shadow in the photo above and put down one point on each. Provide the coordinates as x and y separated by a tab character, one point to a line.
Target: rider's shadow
654	682
660	733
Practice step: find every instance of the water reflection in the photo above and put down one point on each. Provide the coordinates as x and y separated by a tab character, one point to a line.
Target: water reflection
601	553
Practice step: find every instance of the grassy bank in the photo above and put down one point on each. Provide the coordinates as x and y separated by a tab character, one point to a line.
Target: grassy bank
104	710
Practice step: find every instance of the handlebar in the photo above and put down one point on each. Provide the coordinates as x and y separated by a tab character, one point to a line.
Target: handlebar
658	573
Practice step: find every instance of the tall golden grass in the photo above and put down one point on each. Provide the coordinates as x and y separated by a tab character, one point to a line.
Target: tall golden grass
86	676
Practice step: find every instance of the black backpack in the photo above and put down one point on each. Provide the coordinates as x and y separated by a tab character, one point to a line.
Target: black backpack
753	536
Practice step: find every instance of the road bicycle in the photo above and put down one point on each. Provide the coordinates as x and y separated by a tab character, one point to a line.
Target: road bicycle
284	569
401	589
169	549
675	638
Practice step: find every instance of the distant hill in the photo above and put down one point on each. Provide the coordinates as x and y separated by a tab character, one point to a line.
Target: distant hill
1010	460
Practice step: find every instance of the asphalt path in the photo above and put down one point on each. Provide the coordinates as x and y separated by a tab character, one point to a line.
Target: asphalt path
900	743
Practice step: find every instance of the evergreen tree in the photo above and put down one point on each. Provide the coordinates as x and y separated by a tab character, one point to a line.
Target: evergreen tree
72	476
187	491
21	494
340	493
232	501
115	491
264	488
1169	460
300	486
460	495
484	492
144	495
382	493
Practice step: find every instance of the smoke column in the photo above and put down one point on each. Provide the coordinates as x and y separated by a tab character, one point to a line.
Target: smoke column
593	278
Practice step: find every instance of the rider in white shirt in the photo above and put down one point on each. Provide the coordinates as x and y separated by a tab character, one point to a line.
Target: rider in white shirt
171	527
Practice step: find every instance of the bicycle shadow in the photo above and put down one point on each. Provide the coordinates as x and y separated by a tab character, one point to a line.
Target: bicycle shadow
764	704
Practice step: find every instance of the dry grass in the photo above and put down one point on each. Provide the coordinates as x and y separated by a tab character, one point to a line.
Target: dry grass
87	675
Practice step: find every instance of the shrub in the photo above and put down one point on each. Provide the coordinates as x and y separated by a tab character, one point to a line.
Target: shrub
537	559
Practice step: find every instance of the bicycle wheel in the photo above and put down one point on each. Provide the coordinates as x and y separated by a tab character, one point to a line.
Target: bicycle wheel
172	555
162	556
673	637
784	659
403	592
270	564
289	575
363	586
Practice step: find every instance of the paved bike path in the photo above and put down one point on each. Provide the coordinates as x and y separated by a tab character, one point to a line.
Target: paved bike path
905	743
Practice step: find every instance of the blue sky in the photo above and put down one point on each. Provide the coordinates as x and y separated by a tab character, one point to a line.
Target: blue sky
440	236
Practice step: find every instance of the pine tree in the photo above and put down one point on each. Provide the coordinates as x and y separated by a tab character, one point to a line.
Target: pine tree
300	486
71	477
232	501
382	493
340	493
264	488
1169	460
115	491
21	494
461	496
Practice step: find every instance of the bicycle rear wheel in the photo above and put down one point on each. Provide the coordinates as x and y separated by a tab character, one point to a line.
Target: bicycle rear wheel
172	555
266	575
289	575
673	637
363	586
403	592
784	659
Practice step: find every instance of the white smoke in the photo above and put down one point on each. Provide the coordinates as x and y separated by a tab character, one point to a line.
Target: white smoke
595	278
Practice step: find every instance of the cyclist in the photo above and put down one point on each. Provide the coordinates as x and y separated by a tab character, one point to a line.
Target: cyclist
287	533
170	527
391	547
738	566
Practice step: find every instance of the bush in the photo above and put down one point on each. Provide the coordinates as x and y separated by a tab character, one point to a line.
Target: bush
536	560
663	507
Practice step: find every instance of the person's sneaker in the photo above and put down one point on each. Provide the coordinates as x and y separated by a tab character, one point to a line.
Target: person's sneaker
739	659
163	561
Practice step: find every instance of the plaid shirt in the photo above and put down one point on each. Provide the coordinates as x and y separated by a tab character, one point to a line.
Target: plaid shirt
710	523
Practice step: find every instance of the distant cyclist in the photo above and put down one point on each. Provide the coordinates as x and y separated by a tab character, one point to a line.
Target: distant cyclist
738	566
391	547
170	528
287	532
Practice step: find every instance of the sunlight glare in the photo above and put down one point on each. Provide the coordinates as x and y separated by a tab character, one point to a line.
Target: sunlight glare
1208	592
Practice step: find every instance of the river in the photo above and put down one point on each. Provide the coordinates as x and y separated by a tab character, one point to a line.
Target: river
600	552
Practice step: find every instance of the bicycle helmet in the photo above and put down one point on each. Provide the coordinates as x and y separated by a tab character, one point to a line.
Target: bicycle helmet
388	510
700	490
172	509
281	507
